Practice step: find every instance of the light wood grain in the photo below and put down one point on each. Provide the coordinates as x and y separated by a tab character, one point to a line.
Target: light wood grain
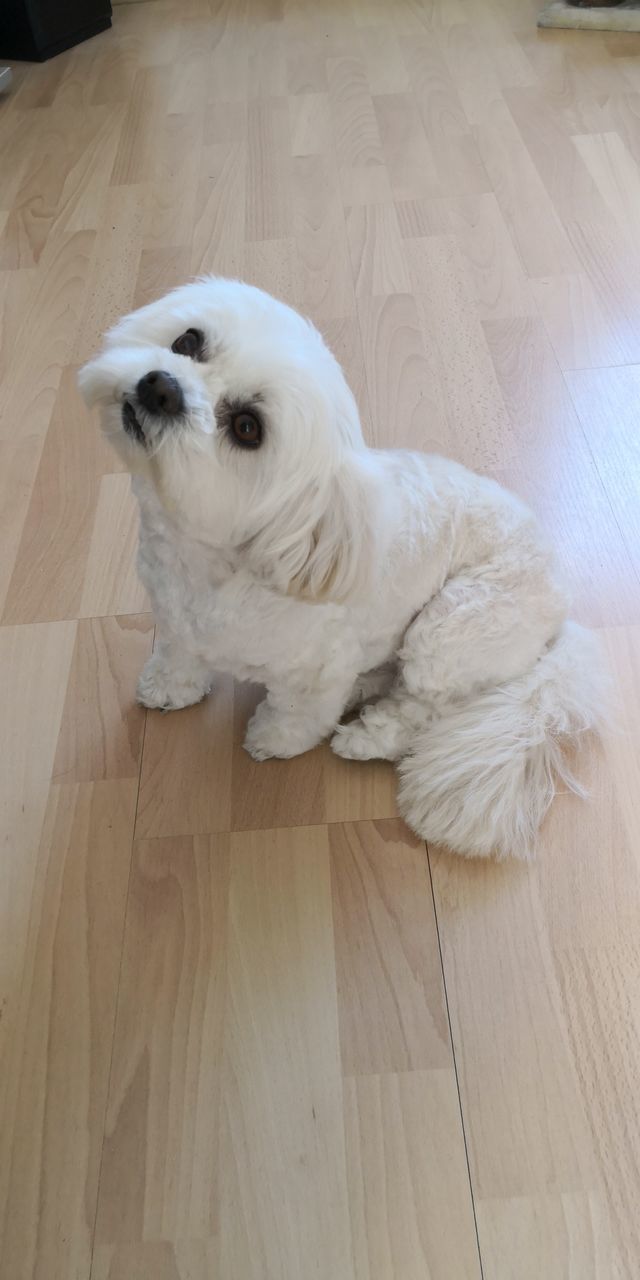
621	745
615	173
310	124
57	1067
70	162
495	272
569	1184
564	1237
111	584
268	206
282	1146
585	328
411	1214
201	914
185	780
381	54
457	157
155	1260
164	1094
531	216
35	666
363	175
48	324
306	49
218	234
479	424
51	562
250	1028
159	271
377	251
102	727
135	158
270	264
581	517
386	952
608	405
408	401
408	156
528	1127
324	283
315	787
114	266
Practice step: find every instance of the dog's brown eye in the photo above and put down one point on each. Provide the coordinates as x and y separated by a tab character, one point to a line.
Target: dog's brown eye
190	343
246	430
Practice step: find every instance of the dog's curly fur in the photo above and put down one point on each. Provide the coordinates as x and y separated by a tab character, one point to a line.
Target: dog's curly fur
338	575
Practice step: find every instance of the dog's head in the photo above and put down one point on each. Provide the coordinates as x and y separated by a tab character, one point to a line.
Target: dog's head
235	410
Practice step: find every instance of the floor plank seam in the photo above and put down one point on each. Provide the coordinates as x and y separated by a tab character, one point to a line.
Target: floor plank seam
455	1067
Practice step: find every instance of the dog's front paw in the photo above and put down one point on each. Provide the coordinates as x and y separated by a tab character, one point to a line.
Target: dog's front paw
168	690
267	738
271	735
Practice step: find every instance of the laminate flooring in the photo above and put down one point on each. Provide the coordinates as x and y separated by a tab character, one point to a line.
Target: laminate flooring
250	1029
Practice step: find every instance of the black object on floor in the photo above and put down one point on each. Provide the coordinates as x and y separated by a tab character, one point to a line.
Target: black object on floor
34	30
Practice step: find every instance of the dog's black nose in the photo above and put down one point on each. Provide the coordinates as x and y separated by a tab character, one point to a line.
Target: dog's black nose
160	392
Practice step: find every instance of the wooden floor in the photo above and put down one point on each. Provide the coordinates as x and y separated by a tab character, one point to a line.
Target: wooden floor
250	1029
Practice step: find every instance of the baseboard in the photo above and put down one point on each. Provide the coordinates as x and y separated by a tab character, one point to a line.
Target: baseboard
624	17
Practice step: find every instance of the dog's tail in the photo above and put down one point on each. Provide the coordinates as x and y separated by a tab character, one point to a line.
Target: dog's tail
481	777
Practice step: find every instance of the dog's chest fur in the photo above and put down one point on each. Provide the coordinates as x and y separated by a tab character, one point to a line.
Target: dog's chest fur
241	625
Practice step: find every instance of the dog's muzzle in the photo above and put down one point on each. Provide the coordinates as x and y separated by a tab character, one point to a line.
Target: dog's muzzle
130	423
160	393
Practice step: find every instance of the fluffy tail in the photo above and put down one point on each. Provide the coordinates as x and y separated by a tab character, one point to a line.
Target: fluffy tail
481	778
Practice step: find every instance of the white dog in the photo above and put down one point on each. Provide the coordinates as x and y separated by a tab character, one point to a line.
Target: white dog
276	546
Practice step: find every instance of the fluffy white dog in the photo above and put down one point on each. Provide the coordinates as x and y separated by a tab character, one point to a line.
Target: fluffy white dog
276	546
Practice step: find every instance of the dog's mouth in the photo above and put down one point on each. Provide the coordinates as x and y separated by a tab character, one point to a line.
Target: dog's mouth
130	423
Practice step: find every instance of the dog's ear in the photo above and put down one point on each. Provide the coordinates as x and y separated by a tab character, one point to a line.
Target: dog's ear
89	384
321	545
341	545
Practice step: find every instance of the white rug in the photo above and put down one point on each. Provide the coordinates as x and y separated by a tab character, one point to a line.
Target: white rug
624	17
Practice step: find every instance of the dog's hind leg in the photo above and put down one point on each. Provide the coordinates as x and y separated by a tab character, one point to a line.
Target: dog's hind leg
482	628
371	684
383	730
485	626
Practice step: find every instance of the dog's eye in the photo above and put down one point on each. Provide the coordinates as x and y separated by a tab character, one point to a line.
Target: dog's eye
246	430
190	343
